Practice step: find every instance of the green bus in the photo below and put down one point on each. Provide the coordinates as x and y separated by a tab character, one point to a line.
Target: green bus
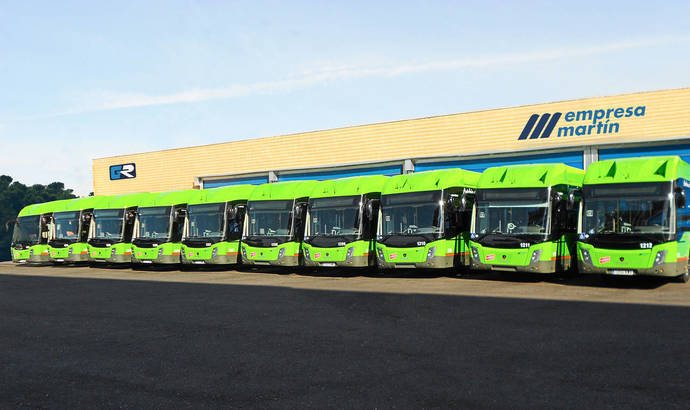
524	218
274	225
634	219
214	225
71	223
341	222
112	228
32	232
424	219
159	225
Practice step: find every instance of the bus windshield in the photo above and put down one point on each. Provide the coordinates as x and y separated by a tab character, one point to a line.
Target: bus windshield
411	213
270	218
335	216
627	208
206	220
26	230
109	223
512	211
154	222
66	225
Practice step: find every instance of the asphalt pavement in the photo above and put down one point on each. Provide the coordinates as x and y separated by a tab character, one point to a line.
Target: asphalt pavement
80	337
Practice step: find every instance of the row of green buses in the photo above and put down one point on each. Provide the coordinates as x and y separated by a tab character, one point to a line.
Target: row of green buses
620	217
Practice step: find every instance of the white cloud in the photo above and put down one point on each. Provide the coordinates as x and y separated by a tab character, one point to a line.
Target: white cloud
117	100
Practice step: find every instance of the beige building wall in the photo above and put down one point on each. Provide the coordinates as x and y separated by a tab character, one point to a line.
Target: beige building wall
666	117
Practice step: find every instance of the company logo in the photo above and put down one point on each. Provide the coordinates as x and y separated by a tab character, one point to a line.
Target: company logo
575	123
123	171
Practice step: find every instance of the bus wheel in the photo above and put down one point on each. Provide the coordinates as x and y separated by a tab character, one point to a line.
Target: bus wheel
683	278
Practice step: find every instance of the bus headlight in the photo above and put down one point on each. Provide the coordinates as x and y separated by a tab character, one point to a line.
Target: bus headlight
69	251
660	258
244	252
430	253
214	252
475	253
112	252
585	256
281	253
160	252
535	257
379	252
350	252
306	253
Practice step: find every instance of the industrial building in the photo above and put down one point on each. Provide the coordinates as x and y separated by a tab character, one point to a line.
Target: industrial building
575	132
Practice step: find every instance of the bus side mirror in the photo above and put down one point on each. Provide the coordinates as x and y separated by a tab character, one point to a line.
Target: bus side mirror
573	196
300	210
10	222
451	207
464	202
232	212
372	208
680	198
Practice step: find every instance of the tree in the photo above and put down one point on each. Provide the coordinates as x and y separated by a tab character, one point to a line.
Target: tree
14	196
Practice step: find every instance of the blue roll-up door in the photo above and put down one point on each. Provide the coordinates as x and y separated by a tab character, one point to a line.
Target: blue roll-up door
572	158
342	173
683	150
235	181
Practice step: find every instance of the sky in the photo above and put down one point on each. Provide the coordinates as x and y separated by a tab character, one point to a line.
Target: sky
84	80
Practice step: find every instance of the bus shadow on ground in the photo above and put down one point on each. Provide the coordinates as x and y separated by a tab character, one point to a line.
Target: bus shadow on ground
599	281
74	342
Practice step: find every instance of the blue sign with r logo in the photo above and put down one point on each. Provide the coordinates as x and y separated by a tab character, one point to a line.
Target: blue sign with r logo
123	171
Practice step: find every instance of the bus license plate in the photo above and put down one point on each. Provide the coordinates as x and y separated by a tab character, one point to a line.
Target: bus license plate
199	262
145	261
328	264
622	272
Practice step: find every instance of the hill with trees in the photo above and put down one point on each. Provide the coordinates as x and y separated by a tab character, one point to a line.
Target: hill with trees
14	196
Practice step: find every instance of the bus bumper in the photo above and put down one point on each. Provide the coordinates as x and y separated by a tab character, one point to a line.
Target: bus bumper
287	260
214	260
544	267
353	262
161	260
667	269
37	259
114	259
436	262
